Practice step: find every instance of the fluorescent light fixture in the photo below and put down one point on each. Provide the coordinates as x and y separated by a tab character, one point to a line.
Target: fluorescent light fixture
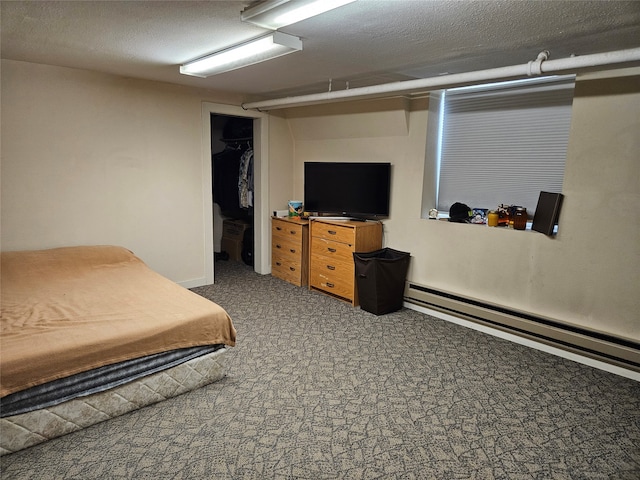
275	14
257	50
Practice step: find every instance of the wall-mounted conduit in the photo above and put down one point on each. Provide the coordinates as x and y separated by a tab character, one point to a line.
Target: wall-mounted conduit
540	66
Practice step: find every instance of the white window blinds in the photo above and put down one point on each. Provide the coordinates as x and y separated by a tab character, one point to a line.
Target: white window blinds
504	143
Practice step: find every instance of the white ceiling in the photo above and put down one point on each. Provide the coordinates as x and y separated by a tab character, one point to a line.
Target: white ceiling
365	43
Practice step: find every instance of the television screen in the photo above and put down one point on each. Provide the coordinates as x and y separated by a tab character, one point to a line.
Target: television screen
351	189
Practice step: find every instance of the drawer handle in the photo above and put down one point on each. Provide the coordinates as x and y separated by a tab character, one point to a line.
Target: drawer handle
292	232
332	232
278	228
292	269
278	245
278	264
330	285
292	250
332	250
330	267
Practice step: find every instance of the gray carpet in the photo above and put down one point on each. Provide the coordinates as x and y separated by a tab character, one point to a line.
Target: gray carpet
317	389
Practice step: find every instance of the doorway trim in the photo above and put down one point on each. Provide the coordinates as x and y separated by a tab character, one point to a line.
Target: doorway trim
260	185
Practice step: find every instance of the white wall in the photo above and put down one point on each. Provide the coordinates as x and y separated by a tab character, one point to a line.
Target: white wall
89	158
93	158
588	275
281	154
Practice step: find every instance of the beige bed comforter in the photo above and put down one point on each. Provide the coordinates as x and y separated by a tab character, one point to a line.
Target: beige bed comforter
69	310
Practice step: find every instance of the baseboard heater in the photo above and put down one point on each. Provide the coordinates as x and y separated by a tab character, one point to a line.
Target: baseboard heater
603	347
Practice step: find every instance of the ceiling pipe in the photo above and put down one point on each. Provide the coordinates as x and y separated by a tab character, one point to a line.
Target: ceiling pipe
541	65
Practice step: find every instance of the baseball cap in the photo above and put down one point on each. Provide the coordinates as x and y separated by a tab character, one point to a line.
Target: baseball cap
460	213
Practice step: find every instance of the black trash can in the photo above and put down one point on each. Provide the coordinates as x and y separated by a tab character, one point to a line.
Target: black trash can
380	278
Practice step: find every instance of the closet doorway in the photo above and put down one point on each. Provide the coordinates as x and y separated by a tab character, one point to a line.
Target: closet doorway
233	188
214	118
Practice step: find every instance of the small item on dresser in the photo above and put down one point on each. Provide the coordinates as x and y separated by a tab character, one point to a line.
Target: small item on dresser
295	208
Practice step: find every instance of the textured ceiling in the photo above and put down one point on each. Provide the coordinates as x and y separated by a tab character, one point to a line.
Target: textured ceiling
364	43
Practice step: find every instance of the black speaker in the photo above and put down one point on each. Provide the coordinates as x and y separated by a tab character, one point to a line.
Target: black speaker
547	212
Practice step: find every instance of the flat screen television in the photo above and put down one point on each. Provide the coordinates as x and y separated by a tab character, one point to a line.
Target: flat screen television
349	189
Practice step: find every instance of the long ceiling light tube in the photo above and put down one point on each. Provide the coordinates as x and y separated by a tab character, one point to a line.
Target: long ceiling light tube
275	14
563	65
248	53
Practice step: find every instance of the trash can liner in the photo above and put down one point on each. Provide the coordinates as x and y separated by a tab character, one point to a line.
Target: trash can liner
380	279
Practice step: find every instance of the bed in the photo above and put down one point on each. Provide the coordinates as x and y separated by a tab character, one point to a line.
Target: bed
90	333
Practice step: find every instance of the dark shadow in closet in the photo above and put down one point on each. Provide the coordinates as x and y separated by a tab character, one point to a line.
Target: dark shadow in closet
232	172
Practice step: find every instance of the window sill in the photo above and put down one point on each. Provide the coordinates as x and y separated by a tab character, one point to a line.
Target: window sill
445	218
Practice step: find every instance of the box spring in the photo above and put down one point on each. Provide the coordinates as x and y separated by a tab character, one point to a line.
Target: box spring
24	430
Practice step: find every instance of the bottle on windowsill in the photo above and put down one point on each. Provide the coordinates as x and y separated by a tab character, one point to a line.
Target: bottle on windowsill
520	219
492	218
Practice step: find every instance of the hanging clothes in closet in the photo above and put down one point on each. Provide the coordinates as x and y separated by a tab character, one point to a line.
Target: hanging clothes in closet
245	181
233	169
233	178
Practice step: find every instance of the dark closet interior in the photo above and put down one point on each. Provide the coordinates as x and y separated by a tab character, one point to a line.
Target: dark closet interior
233	187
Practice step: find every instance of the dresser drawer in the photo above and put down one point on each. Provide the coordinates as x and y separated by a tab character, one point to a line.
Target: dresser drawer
290	250
287	248
332	244
338	270
330	249
288	269
335	232
287	231
333	281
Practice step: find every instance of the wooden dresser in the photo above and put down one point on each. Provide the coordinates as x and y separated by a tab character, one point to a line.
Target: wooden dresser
332	268
289	250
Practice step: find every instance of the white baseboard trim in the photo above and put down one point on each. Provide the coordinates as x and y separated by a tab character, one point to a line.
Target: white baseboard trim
623	372
197	282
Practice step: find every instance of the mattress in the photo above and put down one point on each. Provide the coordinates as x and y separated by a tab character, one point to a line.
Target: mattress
25	430
86	307
89	333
